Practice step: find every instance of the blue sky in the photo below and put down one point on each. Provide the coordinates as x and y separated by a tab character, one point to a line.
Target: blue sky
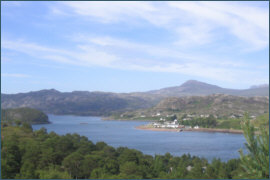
132	46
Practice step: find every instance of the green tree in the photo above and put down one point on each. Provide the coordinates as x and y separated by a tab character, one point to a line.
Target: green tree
27	127
111	166
128	155
172	118
88	164
180	172
10	158
232	167
73	164
53	173
18	122
97	173
196	172
100	145
256	163
28	171
130	170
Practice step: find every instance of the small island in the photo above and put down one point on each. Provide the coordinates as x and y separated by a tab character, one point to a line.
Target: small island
24	115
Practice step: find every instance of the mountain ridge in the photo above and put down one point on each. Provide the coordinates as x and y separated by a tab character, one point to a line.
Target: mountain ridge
188	83
99	103
194	87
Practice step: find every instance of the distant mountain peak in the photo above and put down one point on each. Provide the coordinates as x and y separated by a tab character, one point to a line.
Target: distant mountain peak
197	83
45	91
191	82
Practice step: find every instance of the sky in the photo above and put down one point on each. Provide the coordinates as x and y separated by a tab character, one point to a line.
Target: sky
132	46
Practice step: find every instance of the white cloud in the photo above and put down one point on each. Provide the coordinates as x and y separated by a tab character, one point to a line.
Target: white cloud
193	23
246	23
15	75
156	53
84	55
108	12
90	52
123	44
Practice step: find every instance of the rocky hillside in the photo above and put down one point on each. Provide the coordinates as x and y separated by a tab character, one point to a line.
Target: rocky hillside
76	102
217	104
28	115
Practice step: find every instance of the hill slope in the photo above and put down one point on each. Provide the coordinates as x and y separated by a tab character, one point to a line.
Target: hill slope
76	102
217	104
31	116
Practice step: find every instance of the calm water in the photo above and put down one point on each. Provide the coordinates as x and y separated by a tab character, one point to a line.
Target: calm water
122	133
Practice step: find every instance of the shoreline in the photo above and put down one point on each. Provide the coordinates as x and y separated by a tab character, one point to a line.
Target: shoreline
233	131
110	119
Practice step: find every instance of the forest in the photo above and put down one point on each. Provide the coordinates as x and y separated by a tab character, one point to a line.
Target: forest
28	154
21	115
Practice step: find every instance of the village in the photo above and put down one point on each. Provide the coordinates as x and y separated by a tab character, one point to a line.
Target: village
170	121
172	125
191	116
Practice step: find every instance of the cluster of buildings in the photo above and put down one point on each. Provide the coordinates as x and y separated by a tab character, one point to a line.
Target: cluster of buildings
186	118
167	124
173	125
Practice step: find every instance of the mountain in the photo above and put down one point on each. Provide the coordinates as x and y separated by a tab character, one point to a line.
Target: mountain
193	87
220	105
76	102
106	103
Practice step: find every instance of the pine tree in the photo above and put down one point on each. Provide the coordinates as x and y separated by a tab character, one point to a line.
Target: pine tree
256	163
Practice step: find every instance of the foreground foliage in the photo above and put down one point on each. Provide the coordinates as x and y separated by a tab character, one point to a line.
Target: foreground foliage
256	163
32	155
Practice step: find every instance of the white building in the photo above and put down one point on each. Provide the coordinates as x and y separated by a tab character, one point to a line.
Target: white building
189	168
232	116
173	124
196	127
204	115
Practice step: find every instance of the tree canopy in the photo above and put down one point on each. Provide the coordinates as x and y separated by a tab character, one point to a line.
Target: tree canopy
28	154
